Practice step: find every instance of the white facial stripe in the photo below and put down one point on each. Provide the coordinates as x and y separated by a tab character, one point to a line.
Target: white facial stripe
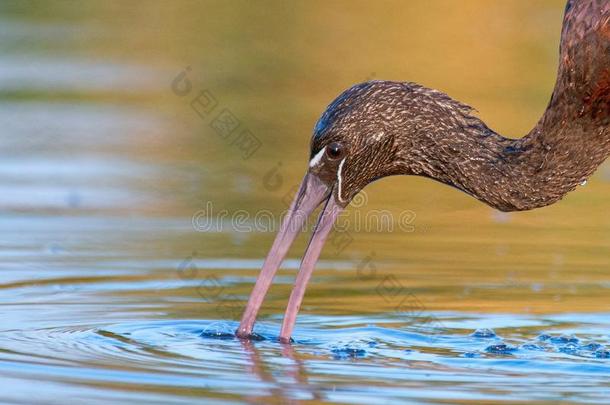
316	159
339	180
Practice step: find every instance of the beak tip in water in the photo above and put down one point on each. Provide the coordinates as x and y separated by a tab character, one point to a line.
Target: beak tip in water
311	194
251	336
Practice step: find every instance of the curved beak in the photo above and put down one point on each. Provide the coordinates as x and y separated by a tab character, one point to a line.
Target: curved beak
311	194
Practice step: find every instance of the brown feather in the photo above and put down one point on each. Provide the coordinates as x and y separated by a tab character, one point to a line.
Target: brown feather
395	128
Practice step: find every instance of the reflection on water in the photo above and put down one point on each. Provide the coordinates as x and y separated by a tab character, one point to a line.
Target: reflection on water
109	293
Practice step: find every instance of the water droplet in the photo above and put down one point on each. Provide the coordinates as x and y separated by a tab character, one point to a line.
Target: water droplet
532	346
592	346
602	354
217	335
348	353
500	349
544	337
484	333
563	339
569	348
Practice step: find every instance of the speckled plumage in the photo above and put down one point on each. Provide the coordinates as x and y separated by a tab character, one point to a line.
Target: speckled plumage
392	128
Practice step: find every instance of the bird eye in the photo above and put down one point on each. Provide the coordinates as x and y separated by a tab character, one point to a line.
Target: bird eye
335	150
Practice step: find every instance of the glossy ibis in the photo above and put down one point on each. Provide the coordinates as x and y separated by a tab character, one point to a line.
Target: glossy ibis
383	128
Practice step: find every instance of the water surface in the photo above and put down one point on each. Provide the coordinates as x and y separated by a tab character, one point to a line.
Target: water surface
124	271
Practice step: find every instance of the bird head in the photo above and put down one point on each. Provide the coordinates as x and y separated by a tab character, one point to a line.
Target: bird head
353	142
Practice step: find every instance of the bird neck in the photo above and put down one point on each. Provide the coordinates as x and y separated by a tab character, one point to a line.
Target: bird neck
527	173
569	142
